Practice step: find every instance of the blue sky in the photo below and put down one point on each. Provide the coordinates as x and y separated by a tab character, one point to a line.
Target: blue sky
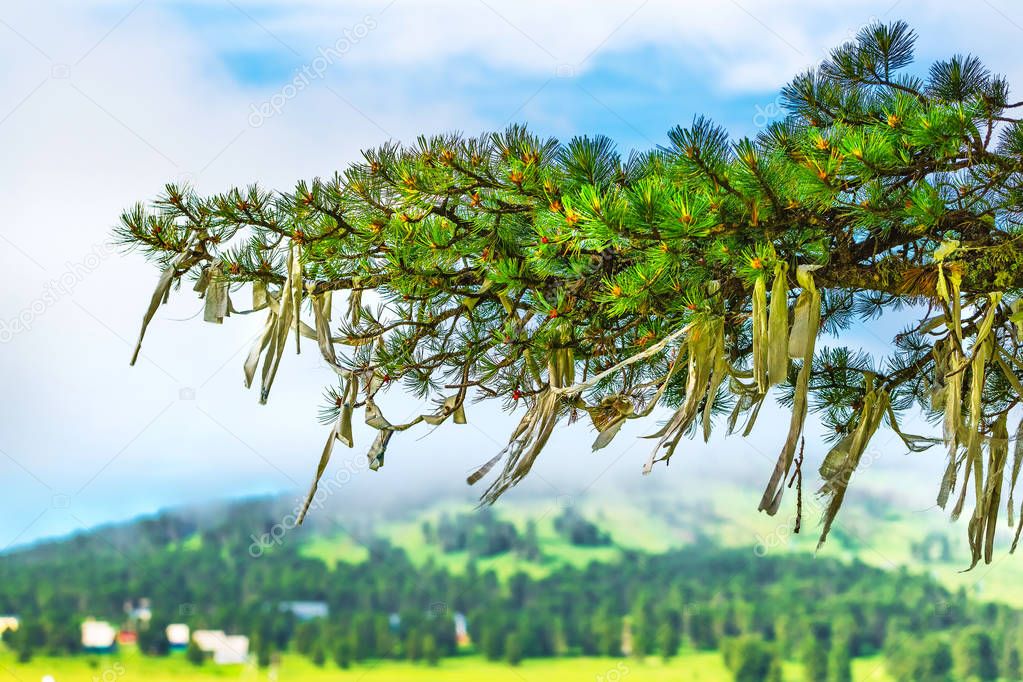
107	100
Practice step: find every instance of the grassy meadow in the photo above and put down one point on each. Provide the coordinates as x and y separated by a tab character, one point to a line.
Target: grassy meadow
129	666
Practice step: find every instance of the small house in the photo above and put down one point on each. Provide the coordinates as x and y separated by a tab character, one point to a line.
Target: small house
306	610
8	623
98	636
225	649
177	636
208	640
235	650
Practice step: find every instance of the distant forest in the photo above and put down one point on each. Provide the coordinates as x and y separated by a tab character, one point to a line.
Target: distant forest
756	610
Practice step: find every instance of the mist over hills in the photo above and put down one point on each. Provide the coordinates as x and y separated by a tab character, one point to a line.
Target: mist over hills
706	500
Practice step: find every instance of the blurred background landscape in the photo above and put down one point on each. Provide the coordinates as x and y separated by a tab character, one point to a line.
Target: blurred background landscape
146	505
618	580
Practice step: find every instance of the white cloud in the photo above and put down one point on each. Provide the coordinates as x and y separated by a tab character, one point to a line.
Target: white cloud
753	45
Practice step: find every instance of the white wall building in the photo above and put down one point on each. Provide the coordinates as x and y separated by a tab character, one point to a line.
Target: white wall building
177	635
235	650
226	649
8	623
98	635
208	640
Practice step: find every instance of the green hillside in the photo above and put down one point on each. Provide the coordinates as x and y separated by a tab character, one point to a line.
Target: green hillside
557	585
872	529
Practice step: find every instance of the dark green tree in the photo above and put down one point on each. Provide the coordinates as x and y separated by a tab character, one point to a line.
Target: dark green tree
307	636
194	654
926	660
152	639
362	636
319	654
492	643
839	660
814	655
343	650
973	655
264	650
639	628
513	649
431	653
789	629
529	546
751	659
1011	665
667	640
385	641
413	645
609	635
700	629
23	641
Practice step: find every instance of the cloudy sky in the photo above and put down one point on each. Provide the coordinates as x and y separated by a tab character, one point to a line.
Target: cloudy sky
105	101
